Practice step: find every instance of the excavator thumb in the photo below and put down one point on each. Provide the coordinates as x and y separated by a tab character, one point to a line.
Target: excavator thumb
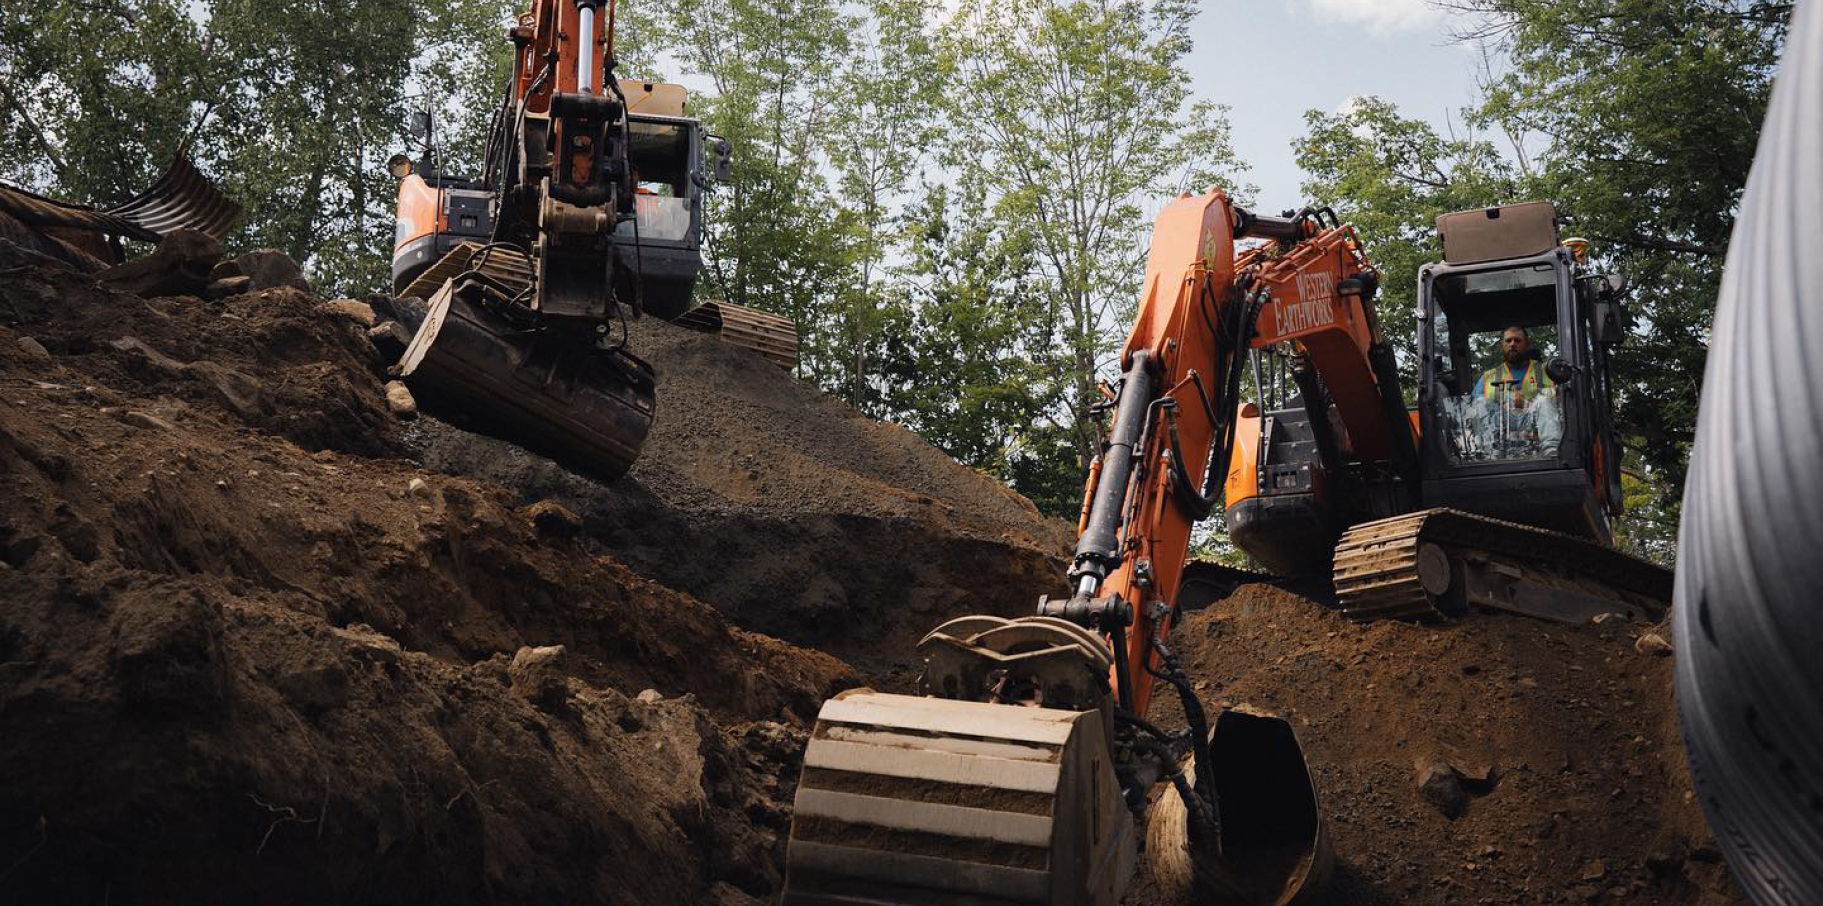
583	403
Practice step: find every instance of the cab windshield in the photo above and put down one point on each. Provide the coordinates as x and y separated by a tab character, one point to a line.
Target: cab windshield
660	154
1491	333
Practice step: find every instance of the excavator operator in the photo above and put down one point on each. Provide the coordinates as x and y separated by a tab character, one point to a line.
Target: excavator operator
1517	403
1515	380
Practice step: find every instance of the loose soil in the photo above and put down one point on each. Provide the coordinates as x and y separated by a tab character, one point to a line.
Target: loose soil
789	511
261	642
1567	737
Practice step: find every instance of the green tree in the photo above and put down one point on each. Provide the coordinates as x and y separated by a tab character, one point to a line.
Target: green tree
1647	112
1075	114
776	240
1391	176
97	97
965	361
882	124
305	116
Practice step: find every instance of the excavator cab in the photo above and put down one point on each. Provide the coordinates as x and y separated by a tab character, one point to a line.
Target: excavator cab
1515	394
660	247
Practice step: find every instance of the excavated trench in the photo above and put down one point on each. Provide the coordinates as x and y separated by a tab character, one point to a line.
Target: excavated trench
261	641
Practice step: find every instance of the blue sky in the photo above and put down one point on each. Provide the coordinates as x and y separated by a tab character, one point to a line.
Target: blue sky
1270	60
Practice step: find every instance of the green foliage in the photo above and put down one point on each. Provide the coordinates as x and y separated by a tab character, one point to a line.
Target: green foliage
777	241
294	110
1648	112
1088	116
96	97
1391	176
966	361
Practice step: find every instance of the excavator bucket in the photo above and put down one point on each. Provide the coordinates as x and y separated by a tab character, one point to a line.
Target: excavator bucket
915	800
1274	847
582	404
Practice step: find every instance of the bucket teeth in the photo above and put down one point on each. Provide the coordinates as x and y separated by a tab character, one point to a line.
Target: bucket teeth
914	800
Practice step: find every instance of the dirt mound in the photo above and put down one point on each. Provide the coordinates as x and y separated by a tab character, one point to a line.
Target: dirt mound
250	650
1554	749
794	514
269	361
243	650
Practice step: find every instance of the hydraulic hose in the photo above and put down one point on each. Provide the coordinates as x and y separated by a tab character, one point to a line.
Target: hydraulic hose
1749	603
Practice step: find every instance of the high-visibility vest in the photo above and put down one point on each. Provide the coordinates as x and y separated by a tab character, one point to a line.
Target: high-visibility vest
1495	378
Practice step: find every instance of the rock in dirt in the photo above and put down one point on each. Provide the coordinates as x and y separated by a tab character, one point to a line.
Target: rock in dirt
178	267
553	520
538	676
1667	857
390	338
399	400
353	309
225	270
140	419
1442	788
227	286
34	349
419	488
1654	644
270	268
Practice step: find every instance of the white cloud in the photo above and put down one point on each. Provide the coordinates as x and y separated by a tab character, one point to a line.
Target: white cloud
1382	17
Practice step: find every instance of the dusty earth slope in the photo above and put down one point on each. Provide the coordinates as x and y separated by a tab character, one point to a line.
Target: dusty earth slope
260	642
791	512
246	653
1558	771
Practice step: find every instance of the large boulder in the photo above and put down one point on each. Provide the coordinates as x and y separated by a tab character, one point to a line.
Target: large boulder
271	268
180	266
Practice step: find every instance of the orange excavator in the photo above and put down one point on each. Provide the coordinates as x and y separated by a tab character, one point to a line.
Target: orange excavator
588	212
1025	770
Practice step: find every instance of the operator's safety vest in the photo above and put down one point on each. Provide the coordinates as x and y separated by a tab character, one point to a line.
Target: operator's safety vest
1493	379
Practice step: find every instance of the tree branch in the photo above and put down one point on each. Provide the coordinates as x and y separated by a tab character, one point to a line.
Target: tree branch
1665	245
12	100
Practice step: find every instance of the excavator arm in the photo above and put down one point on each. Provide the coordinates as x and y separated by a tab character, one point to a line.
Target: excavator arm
525	336
938	799
1306	283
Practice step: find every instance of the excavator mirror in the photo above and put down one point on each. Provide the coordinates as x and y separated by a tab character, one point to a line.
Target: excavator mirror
420	124
724	158
1560	370
399	166
1608	323
1613	284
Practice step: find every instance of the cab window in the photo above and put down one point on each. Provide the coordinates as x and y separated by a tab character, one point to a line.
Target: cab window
1492	332
659	153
